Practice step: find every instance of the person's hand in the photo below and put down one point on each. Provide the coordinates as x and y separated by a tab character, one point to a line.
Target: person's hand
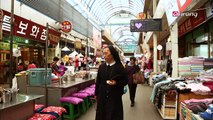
111	82
94	98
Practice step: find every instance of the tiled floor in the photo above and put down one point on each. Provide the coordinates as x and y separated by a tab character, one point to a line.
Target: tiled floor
143	109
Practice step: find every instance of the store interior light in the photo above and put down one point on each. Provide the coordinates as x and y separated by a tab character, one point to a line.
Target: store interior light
65	49
26	41
159	47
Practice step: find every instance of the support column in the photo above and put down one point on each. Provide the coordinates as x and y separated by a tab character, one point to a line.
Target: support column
174	55
155	63
154	6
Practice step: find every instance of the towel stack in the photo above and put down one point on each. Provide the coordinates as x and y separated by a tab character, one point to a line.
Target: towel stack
184	66
196	65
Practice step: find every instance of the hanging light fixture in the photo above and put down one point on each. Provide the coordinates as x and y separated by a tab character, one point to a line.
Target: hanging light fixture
159	47
65	48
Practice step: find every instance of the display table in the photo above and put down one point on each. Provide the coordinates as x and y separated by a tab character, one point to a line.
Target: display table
188	96
55	91
20	109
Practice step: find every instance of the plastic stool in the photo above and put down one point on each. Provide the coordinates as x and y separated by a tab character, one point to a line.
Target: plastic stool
72	106
85	102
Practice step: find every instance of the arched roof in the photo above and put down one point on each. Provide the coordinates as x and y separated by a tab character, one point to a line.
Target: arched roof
103	10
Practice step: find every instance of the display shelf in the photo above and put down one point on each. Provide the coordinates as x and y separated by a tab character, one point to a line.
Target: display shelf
170	104
168	109
165	114
187	114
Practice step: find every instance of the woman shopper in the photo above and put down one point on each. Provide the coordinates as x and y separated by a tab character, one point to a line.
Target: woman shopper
62	69
131	69
110	83
54	66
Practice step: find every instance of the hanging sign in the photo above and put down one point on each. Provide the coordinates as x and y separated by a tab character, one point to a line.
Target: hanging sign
66	26
145	25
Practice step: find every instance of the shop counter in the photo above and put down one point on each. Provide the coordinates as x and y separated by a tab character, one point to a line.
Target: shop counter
55	91
21	108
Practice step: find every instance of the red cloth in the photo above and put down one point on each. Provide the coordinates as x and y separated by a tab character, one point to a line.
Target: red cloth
37	106
209	84
38	116
58	110
150	64
20	67
31	66
76	62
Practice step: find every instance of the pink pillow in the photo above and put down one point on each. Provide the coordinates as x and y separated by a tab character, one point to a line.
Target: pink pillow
80	95
90	93
72	100
92	86
58	110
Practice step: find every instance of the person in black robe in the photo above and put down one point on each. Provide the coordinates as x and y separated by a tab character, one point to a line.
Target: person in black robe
110	83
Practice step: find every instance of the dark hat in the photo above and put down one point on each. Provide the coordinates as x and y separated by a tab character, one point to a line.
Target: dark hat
114	53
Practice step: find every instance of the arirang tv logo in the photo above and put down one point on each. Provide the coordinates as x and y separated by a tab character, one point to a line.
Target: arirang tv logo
187	14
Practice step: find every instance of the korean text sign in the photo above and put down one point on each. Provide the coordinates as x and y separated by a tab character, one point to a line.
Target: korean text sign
28	29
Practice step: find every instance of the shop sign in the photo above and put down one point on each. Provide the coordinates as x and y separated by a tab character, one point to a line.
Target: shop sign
6	46
28	29
191	23
141	15
78	44
66	26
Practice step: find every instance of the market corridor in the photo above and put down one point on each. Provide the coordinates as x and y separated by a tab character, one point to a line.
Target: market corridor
143	109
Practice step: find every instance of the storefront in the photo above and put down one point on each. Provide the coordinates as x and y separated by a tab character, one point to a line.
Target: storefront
195	35
29	38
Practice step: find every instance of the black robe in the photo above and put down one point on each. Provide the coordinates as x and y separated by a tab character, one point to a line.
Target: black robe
109	98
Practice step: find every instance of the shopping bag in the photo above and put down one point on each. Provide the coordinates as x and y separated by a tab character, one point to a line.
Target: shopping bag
125	90
138	78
